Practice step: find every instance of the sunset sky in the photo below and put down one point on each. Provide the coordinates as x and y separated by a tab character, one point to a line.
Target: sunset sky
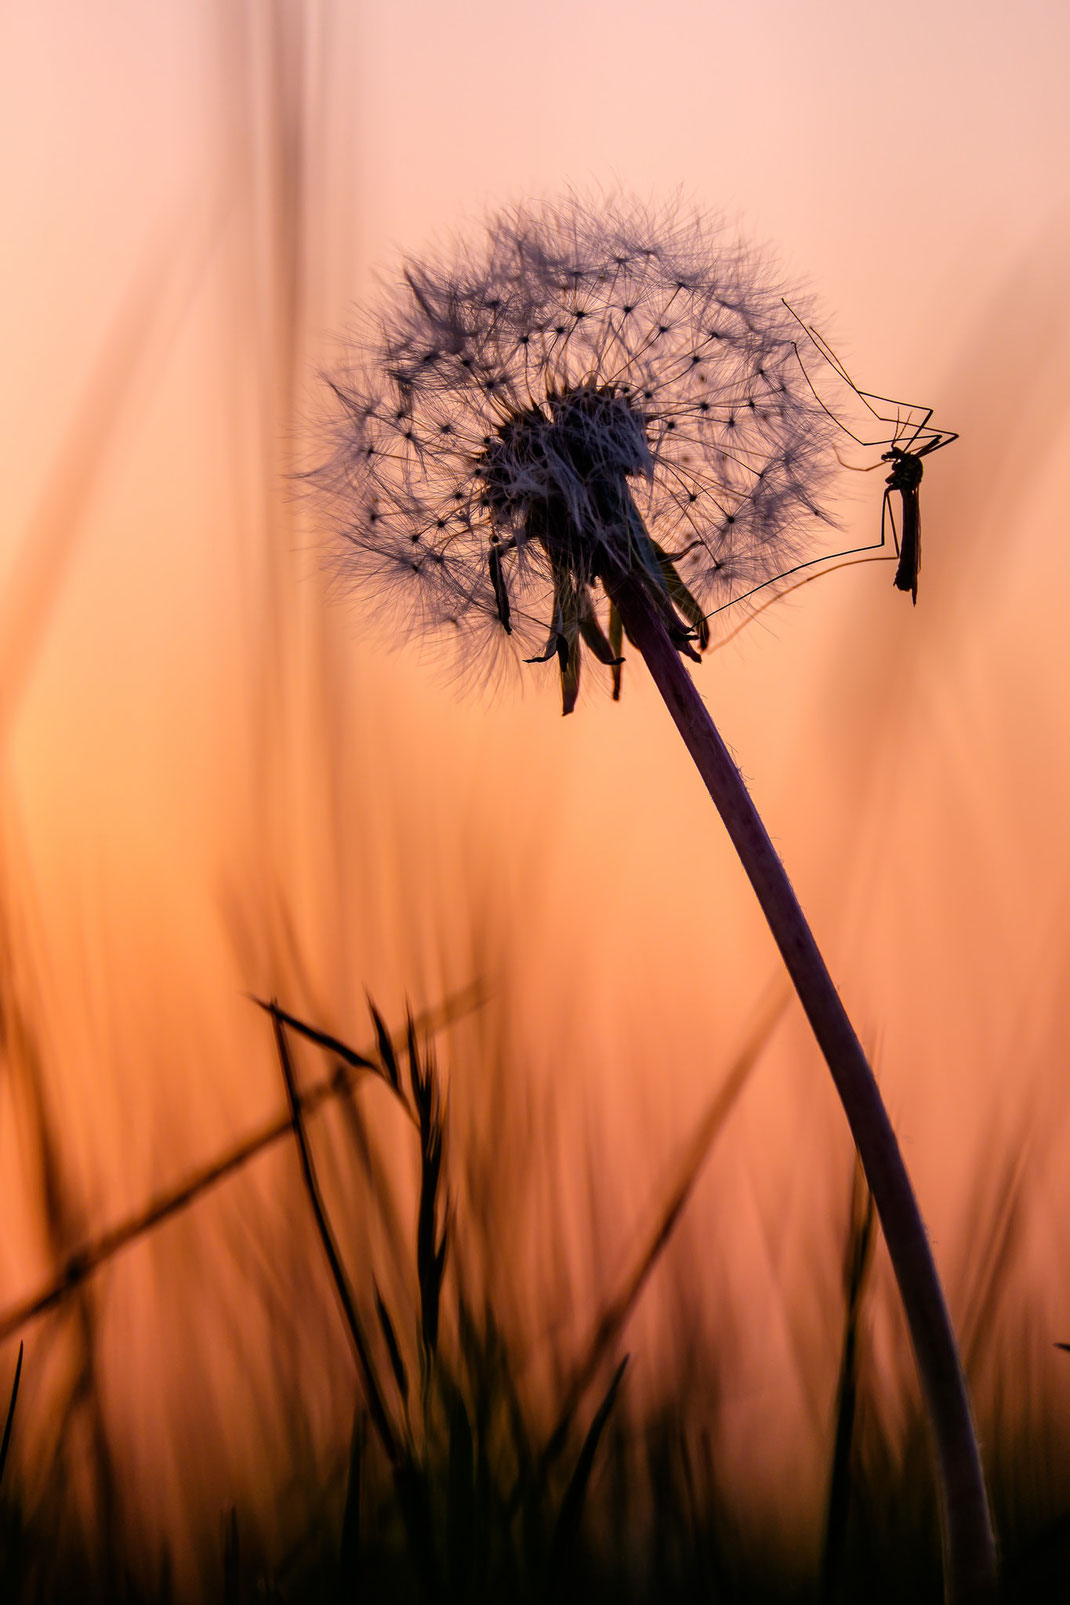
218	782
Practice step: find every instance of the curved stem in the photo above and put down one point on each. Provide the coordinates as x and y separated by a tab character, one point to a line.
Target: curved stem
969	1546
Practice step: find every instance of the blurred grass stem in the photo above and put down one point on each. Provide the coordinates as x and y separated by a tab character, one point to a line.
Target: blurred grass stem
376	1404
87	1259
969	1545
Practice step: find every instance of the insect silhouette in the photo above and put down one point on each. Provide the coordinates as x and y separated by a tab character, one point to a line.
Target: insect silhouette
913	439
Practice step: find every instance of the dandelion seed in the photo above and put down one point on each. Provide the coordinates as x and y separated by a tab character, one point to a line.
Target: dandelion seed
594	470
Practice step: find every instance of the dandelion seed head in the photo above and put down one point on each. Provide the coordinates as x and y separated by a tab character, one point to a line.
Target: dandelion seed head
586	388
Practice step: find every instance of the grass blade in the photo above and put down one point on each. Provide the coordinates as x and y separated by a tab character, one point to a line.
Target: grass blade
617	1310
231	1560
568	1518
859	1254
6	1440
397	1364
349	1554
387	1056
460	1500
322	1039
376	1406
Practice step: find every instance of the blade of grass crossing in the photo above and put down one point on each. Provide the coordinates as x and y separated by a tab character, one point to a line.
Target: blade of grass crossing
349	1553
5	1442
376	1406
567	1525
859	1253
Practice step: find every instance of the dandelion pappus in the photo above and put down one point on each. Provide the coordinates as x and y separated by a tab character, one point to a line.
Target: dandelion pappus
580	397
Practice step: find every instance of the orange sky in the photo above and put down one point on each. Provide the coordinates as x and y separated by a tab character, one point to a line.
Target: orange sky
193	739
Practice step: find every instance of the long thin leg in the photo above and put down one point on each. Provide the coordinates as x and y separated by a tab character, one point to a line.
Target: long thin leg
888	512
904	428
865	396
907	429
836	560
848	562
811	562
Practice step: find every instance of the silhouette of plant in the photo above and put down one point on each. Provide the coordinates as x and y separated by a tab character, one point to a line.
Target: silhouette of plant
592	395
591	428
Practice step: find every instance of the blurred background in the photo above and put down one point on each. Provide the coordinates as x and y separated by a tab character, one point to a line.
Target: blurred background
218	785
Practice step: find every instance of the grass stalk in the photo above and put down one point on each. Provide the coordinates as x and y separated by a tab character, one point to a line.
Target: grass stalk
617	1309
376	1406
5	1441
857	1261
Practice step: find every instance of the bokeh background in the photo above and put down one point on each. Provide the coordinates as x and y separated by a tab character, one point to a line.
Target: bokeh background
217	782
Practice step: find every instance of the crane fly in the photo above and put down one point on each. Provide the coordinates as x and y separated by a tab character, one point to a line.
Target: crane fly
912	440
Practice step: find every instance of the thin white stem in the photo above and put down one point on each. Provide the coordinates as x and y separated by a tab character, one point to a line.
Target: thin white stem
969	1546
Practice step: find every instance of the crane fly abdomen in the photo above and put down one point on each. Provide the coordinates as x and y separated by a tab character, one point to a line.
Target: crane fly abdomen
905	477
909	565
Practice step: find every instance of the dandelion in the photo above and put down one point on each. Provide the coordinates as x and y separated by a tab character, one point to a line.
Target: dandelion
595	428
592	399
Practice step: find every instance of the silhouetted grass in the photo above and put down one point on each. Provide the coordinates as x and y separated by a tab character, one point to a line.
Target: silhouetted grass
458	1494
9	1419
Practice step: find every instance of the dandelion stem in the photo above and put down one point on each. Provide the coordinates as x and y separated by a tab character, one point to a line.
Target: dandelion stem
969	1545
